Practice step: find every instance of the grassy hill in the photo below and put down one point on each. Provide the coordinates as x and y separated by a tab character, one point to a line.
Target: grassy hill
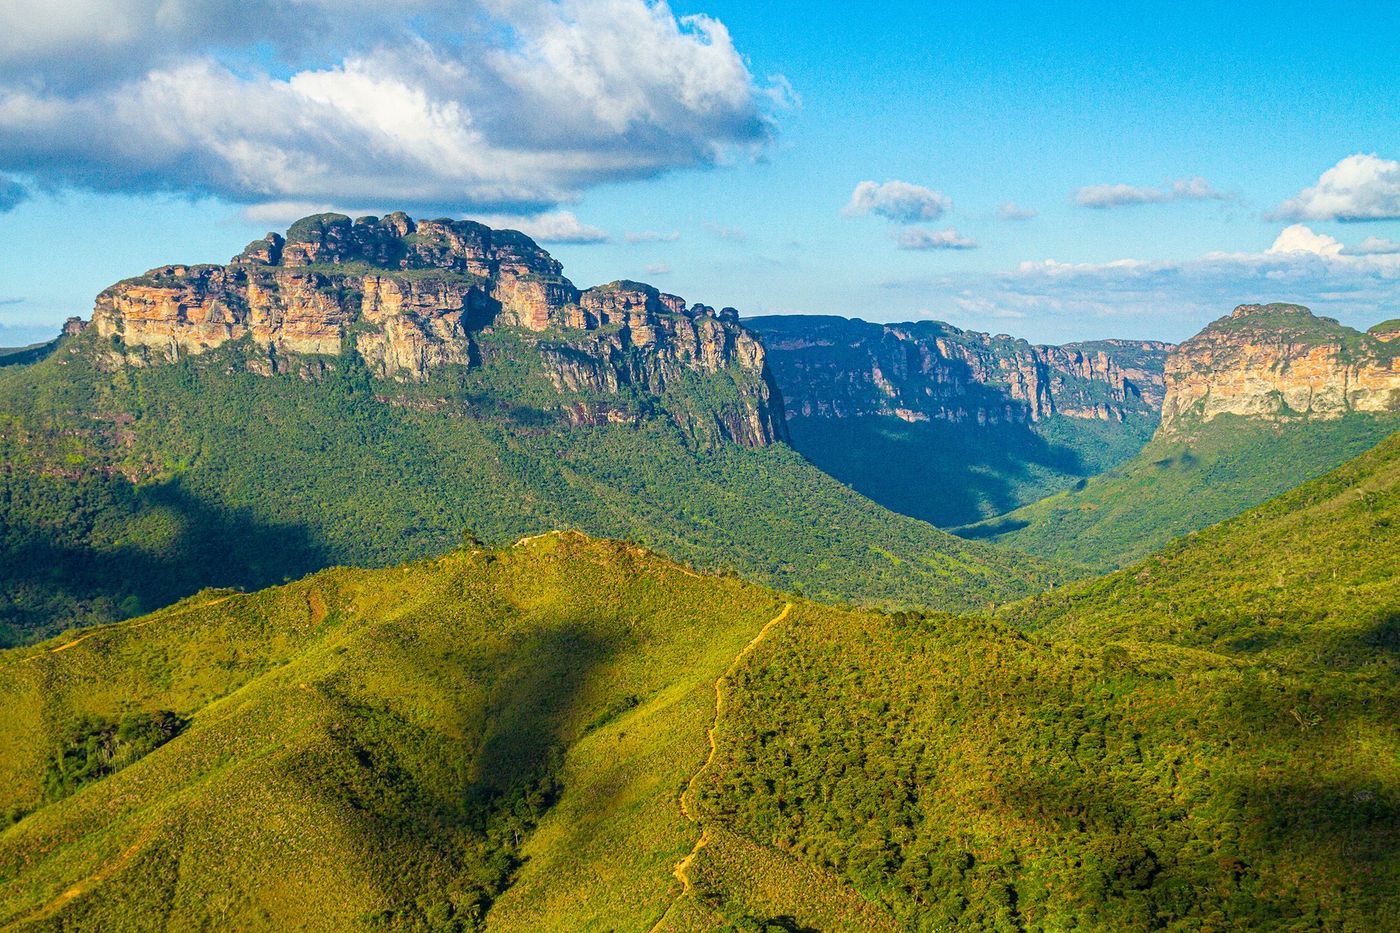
127	487
1180	483
517	739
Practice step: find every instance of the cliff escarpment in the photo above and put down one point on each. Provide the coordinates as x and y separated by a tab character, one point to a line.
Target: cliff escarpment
1280	362
831	367
411	297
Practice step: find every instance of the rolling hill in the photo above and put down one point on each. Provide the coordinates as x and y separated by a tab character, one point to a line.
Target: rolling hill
517	739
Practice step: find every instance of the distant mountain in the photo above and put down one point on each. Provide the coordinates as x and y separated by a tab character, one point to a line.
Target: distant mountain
951	425
571	733
1257	403
367	392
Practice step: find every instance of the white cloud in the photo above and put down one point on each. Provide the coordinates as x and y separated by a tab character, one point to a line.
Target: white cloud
651	236
426	104
922	238
1373	246
898	201
733	234
553	227
1170	298
1360	187
1102	197
1301	239
1013	211
658	268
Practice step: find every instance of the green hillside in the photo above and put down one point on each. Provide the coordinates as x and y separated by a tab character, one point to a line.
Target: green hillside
516	740
127	487
1181	483
1310	578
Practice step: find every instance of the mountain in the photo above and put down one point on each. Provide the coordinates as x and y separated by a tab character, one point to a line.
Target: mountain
367	392
1257	403
571	733
950	425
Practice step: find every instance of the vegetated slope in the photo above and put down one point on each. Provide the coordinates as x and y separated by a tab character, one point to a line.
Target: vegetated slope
1310	579
1258	402
373	749
511	734
202	433
1179	484
951	426
1209	739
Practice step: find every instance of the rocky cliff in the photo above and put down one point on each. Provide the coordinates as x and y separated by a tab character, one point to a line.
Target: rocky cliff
1281	362
411	297
833	367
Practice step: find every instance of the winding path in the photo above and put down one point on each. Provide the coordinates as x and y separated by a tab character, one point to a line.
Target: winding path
683	866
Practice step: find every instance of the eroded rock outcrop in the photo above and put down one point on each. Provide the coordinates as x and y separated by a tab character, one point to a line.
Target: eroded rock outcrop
413	296
1280	362
838	368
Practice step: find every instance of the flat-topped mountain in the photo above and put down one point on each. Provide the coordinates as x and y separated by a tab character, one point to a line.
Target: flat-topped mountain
953	425
1256	403
367	392
411	296
1280	362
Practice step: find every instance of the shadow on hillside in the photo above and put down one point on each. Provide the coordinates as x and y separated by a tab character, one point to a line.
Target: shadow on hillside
944	473
437	805
53	579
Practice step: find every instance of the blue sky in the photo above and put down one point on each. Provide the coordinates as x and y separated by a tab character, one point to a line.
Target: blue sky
734	188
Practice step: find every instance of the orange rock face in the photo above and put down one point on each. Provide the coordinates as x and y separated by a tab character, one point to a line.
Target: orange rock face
410	296
1280	362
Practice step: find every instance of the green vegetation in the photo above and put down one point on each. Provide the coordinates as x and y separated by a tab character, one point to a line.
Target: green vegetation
23	356
1179	484
948	473
1208	739
504	740
376	749
128	487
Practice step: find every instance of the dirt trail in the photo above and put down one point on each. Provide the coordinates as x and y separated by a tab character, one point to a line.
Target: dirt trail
683	866
159	617
91	881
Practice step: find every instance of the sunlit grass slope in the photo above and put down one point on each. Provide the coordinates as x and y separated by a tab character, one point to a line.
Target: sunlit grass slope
375	748
1181	483
1209	739
517	740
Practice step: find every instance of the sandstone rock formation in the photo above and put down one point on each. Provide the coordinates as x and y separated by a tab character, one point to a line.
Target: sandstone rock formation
1281	362
413	296
838	368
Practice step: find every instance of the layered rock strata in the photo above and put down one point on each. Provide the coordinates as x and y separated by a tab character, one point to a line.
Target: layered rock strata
1280	362
413	296
833	367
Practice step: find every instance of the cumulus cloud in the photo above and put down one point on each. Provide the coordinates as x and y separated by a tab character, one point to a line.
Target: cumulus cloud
898	201
1103	197
651	236
428	104
1013	211
1301	239
922	238
1172	298
1373	246
551	227
1360	187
